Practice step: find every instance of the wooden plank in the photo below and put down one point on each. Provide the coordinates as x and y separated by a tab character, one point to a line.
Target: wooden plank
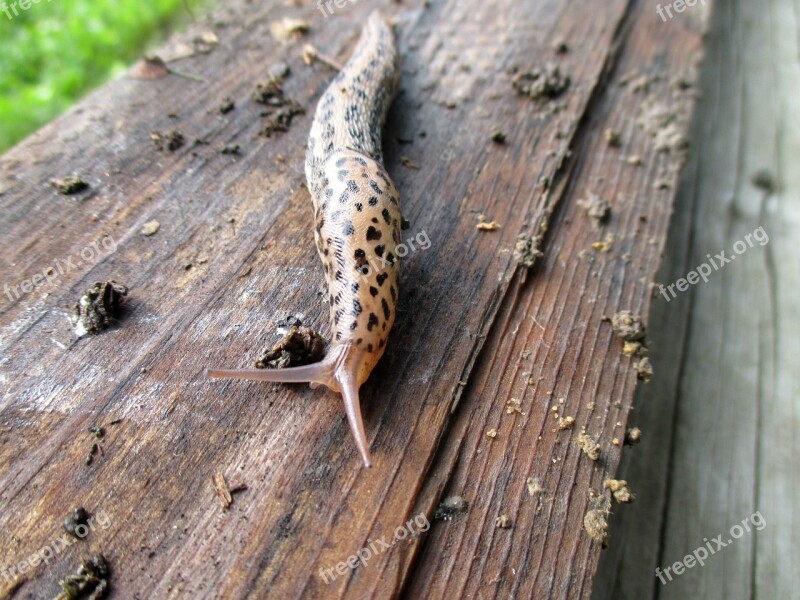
552	332
734	427
234	254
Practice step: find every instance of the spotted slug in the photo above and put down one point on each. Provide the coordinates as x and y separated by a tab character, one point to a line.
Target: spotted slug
357	224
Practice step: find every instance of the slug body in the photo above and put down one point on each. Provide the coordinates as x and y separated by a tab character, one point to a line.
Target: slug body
357	223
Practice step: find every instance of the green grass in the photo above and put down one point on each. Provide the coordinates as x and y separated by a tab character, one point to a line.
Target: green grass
57	50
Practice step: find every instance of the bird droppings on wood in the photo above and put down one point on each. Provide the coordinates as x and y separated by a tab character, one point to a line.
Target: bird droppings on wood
78	518
69	186
620	490
300	346
588	446
150	228
98	307
628	326
545	82
168	142
91	581
502	522
449	507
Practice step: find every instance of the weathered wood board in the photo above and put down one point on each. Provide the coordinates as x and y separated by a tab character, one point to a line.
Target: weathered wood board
234	255
721	431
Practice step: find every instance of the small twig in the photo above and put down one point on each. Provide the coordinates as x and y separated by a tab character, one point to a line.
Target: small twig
312	55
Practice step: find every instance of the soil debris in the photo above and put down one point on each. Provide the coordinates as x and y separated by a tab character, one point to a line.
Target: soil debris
589	446
612	138
595	521
597	208
485	225
230	150
407	162
77	523
300	346
605	245
498	137
620	490
98	307
69	186
665	126
546	82
449	507
765	181
644	370
526	250
288	27
150	228
492	433
152	67
271	94
628	326
222	489
91	581
633	436
534	486
566	423
168	142
502	522
227	106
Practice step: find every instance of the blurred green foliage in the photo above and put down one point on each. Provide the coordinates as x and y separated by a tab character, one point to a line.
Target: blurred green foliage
57	50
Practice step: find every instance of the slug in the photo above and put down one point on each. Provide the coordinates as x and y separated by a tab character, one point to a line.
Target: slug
357	224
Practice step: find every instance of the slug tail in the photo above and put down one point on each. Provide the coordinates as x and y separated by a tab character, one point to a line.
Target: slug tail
352	407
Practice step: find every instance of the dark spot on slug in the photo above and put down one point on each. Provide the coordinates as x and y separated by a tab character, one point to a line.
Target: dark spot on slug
381	278
356	307
386	216
373	201
372	321
379	250
385	306
373	234
348	228
352	186
373	291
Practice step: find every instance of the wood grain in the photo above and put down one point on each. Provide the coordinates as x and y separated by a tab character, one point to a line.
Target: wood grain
721	433
234	255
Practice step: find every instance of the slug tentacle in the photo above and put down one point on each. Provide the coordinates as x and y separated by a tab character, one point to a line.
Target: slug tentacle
357	223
